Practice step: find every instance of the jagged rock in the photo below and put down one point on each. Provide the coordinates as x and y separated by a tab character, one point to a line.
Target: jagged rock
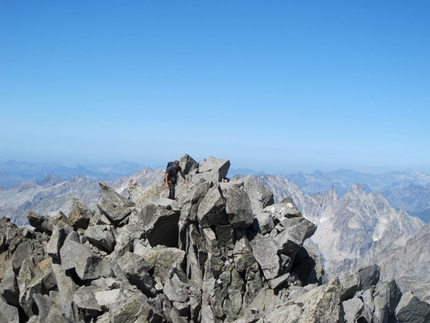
126	238
107	298
221	252
214	169
211	210
85	300
62	219
136	270
47	309
263	222
41	223
265	251
132	307
274	283
66	289
259	195
294	232
176	287
191	201
237	205
160	223
114	206
58	236
387	297
75	255
102	236
25	250
351	308
160	259
188	164
225	236
368	276
34	280
136	191
9	287
411	310
319	304
350	284
8	313
80	215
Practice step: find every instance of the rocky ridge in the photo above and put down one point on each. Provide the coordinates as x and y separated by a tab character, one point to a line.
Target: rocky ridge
357	230
223	252
53	194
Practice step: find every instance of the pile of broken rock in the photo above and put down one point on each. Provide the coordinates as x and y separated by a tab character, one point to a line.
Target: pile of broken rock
222	252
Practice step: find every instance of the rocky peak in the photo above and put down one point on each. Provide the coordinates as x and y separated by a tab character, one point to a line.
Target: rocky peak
222	252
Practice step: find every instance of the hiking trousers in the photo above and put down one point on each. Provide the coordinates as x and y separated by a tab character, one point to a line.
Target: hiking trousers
171	191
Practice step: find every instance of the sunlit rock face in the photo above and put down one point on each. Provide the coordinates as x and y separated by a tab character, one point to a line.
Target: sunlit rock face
223	251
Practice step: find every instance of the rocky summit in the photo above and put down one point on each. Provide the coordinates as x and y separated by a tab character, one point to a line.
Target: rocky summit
223	251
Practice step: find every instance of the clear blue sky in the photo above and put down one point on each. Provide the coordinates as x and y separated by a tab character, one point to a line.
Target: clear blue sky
271	85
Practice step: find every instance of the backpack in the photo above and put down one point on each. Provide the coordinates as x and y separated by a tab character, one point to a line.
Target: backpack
169	164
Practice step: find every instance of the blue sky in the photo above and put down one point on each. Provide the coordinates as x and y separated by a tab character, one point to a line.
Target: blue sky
278	86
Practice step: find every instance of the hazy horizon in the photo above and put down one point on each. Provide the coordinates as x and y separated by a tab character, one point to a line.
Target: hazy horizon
162	164
275	86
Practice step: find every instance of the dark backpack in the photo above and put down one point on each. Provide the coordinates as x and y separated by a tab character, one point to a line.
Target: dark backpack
169	164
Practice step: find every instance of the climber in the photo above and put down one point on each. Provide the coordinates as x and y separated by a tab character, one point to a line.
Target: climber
171	177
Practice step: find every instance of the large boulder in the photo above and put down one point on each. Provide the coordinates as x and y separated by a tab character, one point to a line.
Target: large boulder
214	170
412	310
114	206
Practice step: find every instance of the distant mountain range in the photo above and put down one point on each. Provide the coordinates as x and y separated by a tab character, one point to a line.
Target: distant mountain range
354	229
15	172
408	189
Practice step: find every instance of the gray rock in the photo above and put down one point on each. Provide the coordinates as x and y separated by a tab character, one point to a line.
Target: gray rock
176	289
80	215
161	259
136	270
349	284
188	164
263	222
114	206
41	223
217	168
368	276
276	282
411	310
66	289
352	307
47	309
259	195
265	251
317	305
10	290
211	210
225	236
79	257
191	201
8	313
58	237
295	232
24	251
387	297
126	237
132	307
238	206
107	298
102	236
84	298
